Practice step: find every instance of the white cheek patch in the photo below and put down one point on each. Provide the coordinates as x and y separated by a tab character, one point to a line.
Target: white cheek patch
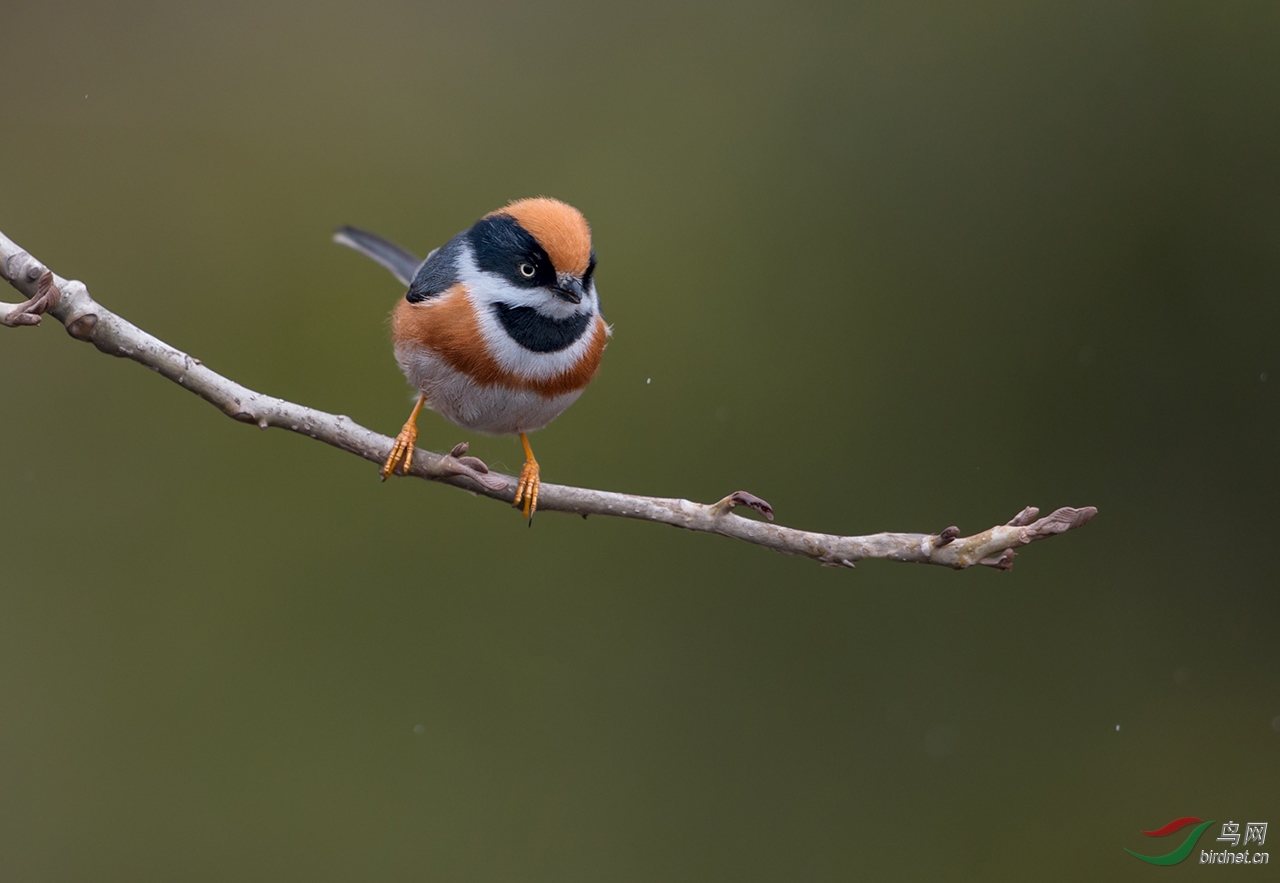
490	288
484	290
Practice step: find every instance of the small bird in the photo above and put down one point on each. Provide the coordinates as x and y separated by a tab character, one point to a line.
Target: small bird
500	329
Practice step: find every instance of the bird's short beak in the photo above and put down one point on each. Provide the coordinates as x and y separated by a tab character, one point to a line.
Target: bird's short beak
569	288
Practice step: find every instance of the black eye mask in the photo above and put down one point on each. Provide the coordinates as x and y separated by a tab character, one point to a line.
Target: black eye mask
501	245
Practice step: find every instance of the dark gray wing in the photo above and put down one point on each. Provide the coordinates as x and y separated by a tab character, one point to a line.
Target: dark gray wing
438	273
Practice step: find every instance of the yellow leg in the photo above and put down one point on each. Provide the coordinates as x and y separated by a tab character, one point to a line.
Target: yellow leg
527	490
402	450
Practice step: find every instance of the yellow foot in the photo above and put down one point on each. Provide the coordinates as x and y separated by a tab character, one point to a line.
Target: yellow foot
402	450
527	490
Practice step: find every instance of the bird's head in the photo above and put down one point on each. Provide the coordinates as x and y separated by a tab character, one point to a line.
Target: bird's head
535	253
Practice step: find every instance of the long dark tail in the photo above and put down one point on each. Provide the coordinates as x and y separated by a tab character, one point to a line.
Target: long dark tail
401	263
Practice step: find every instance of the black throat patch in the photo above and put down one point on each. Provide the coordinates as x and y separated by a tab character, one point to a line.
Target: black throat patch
538	333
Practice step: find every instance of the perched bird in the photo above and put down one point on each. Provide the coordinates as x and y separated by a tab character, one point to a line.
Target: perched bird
500	329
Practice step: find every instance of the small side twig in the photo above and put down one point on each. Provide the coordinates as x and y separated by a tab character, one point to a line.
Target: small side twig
948	534
743	498
28	312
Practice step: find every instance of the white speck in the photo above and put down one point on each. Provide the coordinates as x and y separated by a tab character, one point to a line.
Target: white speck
86	96
1117	728
419	729
649	380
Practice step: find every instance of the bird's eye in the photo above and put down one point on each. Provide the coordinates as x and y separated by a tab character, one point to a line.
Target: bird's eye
527	270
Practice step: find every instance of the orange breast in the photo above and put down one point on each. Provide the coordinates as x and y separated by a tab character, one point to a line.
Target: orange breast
447	326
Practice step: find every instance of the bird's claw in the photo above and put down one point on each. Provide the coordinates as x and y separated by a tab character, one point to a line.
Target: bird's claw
527	489
402	451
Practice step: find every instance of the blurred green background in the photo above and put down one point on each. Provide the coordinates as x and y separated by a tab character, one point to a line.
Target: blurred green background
890	266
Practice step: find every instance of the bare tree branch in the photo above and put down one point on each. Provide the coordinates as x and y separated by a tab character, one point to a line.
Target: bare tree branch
87	320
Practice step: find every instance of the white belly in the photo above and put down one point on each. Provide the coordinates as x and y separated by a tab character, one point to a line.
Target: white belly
494	410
